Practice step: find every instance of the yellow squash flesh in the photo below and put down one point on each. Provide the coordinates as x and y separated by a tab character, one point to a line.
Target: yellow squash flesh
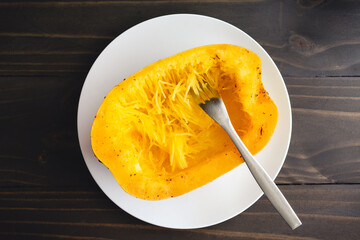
155	139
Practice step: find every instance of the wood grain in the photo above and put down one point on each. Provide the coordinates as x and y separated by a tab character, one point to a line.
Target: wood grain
38	144
36	38
328	212
325	144
47	48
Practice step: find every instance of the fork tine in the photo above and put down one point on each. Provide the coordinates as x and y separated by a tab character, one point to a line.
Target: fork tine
205	93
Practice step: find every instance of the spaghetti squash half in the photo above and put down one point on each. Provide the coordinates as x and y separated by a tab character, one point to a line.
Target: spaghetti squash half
158	143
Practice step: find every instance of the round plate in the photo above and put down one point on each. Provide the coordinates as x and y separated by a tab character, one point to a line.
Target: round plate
144	44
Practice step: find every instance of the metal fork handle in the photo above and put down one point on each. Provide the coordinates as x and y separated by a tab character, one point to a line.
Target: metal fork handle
272	192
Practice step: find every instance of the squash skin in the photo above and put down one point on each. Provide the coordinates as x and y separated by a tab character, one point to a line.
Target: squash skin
252	112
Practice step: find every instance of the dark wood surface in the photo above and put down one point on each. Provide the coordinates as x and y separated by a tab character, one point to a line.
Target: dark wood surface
46	50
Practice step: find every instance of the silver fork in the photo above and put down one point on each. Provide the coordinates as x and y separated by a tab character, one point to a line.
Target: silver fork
215	108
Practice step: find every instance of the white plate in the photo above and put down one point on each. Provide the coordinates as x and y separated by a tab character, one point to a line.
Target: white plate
144	44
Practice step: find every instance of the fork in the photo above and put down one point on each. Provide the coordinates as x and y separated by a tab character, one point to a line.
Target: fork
211	102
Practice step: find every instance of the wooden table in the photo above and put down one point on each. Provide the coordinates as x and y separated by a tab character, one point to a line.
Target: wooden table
46	50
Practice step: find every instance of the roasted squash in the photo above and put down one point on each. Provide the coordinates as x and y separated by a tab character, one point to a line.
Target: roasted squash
158	143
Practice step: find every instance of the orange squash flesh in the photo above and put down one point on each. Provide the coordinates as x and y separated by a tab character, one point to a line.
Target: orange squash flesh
155	139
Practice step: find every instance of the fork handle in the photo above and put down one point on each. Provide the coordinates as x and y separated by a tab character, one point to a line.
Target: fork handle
272	192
